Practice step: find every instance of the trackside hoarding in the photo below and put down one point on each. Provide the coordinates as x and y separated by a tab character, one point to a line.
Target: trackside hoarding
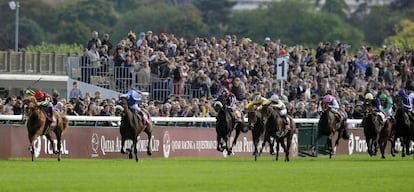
167	142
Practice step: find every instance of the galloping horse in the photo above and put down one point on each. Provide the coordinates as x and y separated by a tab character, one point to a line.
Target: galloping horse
327	126
131	127
276	128
404	129
36	125
256	124
225	124
372	127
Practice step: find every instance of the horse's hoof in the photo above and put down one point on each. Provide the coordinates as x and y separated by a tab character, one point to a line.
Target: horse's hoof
130	156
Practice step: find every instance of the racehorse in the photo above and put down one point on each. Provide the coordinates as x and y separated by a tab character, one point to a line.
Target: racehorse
404	129
36	125
276	128
372	127
386	135
225	124
327	126
255	122
131	127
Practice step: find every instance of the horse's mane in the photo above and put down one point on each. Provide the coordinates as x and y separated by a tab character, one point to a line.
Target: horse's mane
29	100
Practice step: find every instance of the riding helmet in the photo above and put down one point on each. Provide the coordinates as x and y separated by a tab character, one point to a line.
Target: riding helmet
369	96
39	94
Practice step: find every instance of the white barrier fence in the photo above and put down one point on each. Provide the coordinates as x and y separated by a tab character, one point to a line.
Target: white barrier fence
161	119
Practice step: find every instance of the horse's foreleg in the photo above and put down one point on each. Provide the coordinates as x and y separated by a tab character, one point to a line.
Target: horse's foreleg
339	137
330	146
219	144
287	148
392	151
277	147
383	144
148	131
122	145
235	138
315	143
31	146
51	143
59	144
134	146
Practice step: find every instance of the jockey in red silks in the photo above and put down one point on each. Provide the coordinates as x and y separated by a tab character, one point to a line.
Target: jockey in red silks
44	102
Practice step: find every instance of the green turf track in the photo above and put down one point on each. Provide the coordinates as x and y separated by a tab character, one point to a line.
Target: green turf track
342	173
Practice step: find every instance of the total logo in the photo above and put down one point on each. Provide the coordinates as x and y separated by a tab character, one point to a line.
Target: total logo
43	144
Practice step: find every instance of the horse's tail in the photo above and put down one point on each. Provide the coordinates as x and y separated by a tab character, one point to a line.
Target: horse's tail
65	124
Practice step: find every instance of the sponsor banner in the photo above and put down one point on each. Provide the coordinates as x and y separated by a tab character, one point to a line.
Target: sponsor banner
98	142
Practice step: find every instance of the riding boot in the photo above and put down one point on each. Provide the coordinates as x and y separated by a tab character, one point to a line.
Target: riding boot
49	114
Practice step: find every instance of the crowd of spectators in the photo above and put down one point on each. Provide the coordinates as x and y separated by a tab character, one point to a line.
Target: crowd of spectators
246	67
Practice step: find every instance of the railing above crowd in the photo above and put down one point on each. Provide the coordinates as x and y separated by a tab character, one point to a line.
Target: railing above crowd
121	79
33	63
106	75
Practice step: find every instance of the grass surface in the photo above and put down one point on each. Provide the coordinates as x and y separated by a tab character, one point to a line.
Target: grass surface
342	173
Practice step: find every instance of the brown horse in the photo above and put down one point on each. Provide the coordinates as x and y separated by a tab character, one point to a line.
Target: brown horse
386	135
225	125
131	127
36	125
255	122
327	126
276	128
404	129
372	127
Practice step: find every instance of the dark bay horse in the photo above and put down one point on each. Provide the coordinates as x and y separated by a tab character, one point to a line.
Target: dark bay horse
275	127
404	129
372	127
256	124
225	124
327	126
131	127
36	125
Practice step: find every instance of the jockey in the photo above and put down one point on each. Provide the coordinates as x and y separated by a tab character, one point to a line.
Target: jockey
407	101
385	104
368	99
281	107
44	102
334	107
257	100
134	98
231	104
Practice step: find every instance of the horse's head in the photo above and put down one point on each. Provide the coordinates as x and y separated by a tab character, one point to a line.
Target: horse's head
222	99
253	116
30	103
266	111
123	105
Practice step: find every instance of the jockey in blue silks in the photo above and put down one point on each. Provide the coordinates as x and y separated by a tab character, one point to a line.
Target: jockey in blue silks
134	99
